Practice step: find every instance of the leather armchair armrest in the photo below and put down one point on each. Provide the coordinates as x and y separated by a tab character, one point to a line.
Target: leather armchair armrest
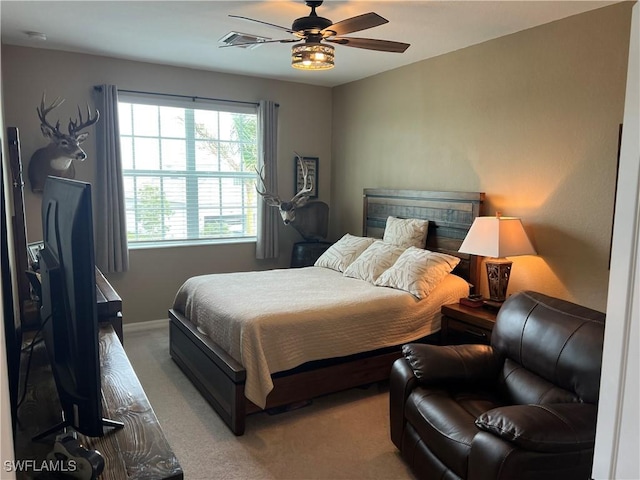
560	427
402	381
434	363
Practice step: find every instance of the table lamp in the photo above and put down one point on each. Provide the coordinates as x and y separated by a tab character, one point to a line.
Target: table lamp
497	237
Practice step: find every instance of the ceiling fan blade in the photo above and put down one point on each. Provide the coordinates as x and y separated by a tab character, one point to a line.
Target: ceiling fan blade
264	23
245	44
370	44
355	24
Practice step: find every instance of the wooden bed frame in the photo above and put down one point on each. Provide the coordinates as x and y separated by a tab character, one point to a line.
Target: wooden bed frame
221	379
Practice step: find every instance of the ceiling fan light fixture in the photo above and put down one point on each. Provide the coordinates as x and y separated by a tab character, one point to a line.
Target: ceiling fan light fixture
312	56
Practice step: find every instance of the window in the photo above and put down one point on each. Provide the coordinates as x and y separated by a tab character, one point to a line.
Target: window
189	171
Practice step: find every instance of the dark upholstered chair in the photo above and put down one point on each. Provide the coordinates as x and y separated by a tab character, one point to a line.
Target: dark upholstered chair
523	408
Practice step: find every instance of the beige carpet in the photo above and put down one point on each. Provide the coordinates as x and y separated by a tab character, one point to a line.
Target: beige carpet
341	436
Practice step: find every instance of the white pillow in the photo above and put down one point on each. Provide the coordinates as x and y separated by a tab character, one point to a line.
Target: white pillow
418	271
342	253
406	232
377	258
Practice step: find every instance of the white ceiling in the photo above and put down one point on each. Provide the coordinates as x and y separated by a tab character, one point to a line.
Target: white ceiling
187	33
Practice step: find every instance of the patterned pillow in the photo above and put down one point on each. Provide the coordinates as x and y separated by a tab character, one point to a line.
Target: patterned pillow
406	232
342	253
418	271
377	258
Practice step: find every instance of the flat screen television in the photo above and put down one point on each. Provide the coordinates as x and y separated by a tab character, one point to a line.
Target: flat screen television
12	325
69	312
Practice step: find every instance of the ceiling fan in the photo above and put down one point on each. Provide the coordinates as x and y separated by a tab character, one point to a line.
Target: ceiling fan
313	30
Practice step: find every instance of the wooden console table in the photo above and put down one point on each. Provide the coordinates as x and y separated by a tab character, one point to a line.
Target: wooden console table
139	450
109	304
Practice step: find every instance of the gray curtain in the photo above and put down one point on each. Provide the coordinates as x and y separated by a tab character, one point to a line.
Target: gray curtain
112	254
268	217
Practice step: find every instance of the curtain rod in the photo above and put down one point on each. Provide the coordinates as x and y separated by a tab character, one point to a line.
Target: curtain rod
191	97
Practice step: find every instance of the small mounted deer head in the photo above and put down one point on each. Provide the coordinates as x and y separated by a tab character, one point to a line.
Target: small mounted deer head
288	209
57	157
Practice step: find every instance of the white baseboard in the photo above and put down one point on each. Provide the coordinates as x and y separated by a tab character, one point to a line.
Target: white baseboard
142	326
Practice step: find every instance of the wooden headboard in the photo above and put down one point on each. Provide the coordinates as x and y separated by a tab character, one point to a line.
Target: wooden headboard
450	216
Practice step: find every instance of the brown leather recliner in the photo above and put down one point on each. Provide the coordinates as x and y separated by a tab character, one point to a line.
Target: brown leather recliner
523	408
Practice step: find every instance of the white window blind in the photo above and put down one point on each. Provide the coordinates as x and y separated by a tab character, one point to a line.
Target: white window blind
189	169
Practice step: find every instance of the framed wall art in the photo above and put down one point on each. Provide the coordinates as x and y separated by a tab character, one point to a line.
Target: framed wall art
312	175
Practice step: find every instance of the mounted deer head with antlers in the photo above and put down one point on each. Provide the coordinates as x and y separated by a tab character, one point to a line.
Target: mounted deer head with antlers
288	209
57	157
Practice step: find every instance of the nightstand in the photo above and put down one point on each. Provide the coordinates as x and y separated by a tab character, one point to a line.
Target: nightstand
462	324
305	254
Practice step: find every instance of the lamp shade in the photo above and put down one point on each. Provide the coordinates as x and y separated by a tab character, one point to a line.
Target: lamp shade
497	237
312	56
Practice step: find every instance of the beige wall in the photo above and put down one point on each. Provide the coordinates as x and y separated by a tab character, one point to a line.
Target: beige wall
531	119
6	436
155	275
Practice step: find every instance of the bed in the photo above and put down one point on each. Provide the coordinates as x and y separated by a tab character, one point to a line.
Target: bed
309	349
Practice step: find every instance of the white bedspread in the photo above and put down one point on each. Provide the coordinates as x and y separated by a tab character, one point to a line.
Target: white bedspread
275	320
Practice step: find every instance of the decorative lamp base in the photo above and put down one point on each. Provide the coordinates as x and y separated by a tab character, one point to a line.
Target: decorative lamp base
498	271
